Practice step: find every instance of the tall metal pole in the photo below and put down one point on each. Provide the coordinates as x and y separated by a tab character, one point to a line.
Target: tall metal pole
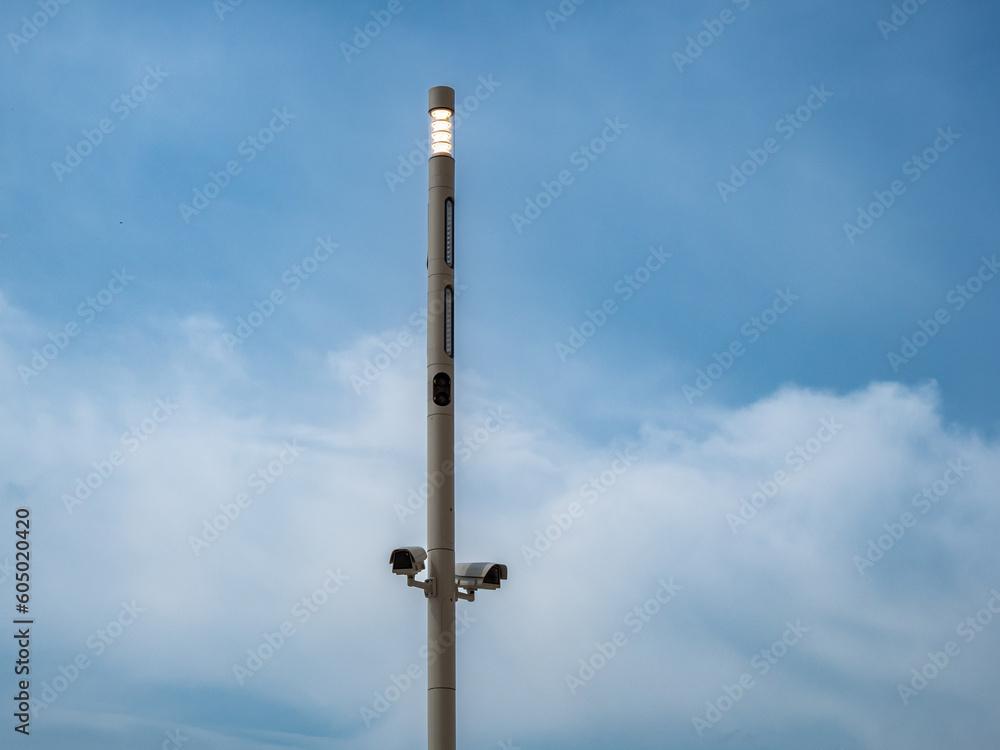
441	424
446	581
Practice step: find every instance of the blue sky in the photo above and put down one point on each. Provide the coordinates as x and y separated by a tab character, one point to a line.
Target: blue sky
726	356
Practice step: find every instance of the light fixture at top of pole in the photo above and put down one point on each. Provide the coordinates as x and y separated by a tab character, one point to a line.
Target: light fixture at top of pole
442	135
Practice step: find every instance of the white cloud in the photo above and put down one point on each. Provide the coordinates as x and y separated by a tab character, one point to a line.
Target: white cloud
662	515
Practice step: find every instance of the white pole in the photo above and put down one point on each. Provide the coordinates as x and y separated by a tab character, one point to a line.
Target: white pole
441	424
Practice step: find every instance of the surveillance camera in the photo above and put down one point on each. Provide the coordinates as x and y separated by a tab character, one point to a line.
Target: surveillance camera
407	561
480	575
